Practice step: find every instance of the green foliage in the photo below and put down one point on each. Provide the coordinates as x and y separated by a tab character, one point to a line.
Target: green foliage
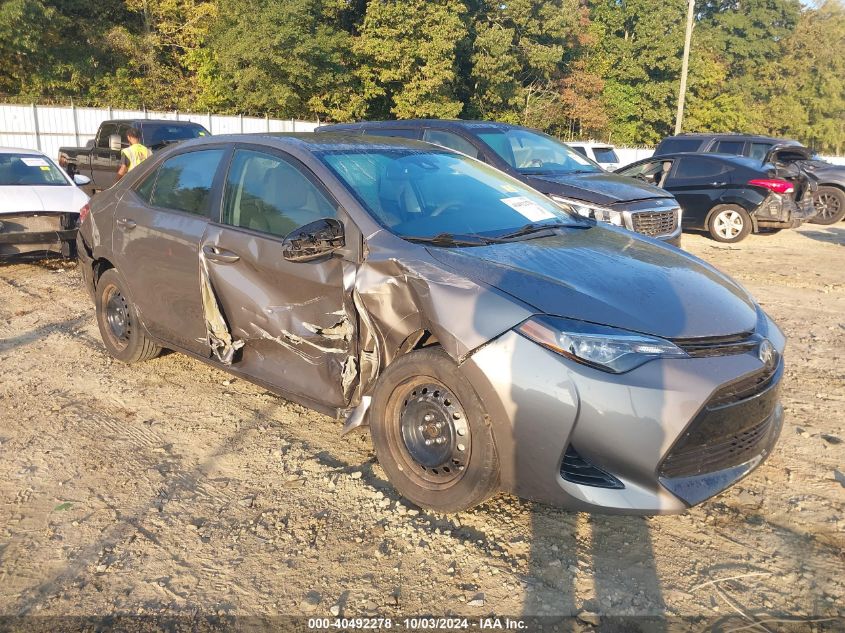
606	69
407	52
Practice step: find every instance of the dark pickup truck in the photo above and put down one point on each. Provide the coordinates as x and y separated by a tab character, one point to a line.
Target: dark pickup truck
100	158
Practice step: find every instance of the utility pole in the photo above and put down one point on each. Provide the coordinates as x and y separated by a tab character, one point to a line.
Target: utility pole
682	93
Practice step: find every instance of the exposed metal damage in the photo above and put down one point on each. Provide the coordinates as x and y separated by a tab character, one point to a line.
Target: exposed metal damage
219	338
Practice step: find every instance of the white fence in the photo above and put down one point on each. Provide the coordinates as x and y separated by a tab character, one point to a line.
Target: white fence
47	128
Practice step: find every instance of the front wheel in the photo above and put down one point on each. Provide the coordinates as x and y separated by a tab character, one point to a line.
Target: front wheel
432	434
830	204
117	319
729	223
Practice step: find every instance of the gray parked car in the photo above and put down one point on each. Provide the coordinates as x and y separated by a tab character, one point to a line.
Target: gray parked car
490	338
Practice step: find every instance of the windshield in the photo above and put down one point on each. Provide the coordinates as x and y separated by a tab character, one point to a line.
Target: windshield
31	170
418	193
534	153
156	134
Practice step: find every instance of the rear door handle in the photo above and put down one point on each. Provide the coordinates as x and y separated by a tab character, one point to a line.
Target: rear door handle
220	255
126	224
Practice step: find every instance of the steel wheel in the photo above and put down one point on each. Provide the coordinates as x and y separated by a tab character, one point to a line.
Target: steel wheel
435	436
118	318
728	224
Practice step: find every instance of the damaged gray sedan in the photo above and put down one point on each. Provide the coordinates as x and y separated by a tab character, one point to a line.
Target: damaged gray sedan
490	339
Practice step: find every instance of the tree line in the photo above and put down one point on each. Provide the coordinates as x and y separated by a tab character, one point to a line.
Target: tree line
606	69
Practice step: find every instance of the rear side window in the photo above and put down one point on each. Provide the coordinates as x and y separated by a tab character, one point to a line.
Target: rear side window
184	182
674	145
693	168
605	155
450	141
727	147
759	150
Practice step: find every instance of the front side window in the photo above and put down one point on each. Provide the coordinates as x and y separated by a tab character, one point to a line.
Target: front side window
269	194
534	153
417	193
184	182
580	149
653	172
29	169
157	135
450	141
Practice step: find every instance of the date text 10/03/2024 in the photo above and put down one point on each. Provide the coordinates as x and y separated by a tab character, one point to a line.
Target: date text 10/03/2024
418	624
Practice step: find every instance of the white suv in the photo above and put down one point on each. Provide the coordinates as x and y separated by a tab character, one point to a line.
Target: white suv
602	153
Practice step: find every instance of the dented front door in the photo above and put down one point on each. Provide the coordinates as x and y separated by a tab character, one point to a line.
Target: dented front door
289	324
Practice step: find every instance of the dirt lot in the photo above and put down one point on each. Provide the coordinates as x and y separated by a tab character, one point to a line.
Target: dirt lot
170	487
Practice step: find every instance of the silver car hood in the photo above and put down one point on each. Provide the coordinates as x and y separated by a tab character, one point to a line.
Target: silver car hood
611	277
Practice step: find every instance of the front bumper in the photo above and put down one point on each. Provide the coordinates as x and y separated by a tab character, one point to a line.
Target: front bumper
627	425
37	235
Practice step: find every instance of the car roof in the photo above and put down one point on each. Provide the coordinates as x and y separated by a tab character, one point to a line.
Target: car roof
311	141
590	144
418	123
145	121
744	161
21	150
738	136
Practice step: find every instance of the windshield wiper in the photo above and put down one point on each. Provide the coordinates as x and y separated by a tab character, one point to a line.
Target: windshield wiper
533	227
449	239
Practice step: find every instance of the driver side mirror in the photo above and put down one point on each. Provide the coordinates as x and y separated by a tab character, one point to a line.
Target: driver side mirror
314	240
114	143
80	180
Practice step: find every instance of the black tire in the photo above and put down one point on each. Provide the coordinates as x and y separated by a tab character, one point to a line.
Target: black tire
729	223
426	387
830	204
117	319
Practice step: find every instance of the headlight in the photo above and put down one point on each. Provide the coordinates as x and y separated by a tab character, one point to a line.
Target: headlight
599	346
602	214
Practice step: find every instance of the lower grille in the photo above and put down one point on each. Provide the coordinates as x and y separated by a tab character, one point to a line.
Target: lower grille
654	223
31	223
734	426
578	470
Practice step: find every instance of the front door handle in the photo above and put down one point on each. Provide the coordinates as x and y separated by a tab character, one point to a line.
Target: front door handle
126	224
220	255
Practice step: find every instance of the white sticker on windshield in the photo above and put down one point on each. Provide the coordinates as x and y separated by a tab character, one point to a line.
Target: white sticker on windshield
34	162
531	210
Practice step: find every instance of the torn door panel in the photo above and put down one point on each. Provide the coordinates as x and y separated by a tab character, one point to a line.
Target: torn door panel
286	313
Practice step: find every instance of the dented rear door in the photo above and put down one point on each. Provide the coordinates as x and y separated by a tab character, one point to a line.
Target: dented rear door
289	324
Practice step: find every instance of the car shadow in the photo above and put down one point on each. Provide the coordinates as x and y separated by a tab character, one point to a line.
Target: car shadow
830	235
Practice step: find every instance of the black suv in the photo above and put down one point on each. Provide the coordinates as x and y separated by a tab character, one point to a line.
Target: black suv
830	196
546	164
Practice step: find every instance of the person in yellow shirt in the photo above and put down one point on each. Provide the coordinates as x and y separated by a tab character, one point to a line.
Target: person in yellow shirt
134	155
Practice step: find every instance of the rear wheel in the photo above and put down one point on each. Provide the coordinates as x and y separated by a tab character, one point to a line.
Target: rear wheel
830	204
729	223
432	434
117	319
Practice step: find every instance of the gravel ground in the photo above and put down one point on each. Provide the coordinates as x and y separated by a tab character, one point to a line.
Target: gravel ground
173	488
